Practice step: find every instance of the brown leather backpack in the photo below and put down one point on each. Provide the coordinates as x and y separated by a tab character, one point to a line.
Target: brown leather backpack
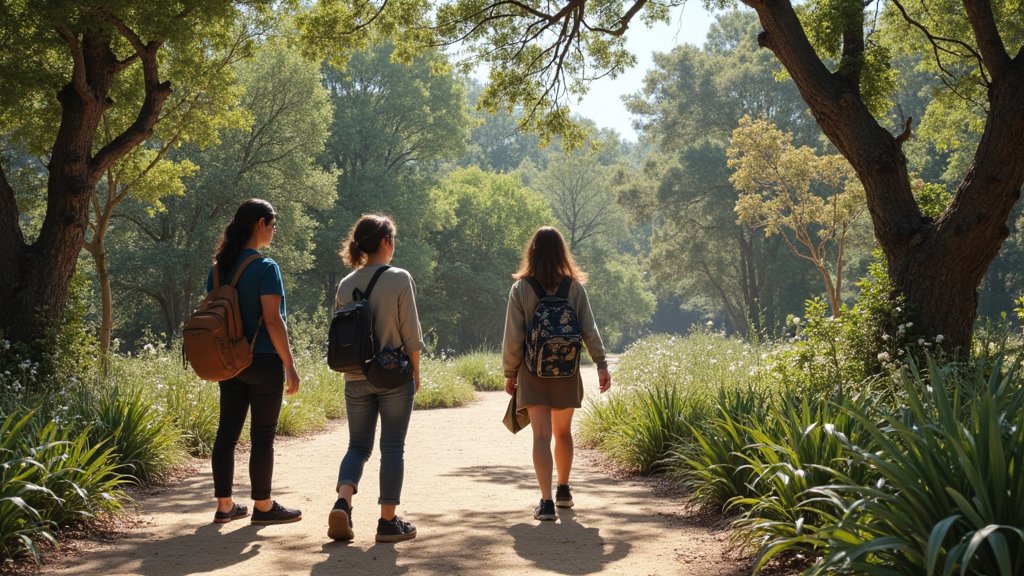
213	338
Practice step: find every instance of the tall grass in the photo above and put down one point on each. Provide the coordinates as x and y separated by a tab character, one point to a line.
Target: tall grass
441	386
666	385
481	369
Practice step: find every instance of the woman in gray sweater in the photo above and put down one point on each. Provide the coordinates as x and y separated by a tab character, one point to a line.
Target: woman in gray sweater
369	247
550	402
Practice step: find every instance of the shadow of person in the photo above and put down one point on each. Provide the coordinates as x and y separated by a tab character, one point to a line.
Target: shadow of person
566	547
209	548
350	558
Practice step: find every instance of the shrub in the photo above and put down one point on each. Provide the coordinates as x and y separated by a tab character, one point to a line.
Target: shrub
49	477
140	432
947	480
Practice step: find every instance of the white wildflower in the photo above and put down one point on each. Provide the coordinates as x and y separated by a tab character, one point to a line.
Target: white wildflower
940	338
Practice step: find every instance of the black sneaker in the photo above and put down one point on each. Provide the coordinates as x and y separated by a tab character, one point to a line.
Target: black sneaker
235	513
394	530
545	510
339	522
563	497
276	515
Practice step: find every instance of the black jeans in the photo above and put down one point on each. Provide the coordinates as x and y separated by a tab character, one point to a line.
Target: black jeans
260	386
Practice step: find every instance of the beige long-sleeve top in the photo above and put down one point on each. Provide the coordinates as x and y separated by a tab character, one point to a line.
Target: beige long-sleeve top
522	301
396	321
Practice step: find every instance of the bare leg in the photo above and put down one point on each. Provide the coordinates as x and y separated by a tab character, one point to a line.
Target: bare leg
540	423
561	421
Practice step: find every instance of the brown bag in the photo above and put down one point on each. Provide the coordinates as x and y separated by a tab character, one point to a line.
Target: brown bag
513	420
213	338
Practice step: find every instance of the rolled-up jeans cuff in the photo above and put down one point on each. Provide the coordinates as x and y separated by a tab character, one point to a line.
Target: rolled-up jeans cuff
355	487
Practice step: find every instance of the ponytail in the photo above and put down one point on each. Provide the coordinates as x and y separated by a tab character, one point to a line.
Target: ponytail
364	238
239	231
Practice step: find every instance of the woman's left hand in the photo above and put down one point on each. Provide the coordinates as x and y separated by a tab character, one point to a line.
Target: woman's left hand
510	386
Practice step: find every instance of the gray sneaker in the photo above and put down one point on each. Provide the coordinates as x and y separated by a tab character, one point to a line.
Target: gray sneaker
563	497
545	510
394	530
339	522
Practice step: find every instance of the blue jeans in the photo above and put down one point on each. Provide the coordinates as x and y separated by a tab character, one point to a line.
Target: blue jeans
363	402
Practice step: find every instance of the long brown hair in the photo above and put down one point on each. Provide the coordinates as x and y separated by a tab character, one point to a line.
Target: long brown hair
548	259
239	231
364	238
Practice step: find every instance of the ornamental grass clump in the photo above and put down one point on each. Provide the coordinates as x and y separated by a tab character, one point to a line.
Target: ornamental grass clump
665	386
944	492
50	477
482	369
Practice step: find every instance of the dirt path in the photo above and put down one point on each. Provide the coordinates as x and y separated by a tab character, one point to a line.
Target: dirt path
469	488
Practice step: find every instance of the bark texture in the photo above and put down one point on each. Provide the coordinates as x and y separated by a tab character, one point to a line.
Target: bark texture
937	265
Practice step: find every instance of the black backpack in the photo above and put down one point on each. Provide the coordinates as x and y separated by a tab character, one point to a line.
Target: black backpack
350	341
554	341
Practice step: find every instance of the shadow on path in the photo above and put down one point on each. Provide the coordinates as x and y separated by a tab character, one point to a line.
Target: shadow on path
546	545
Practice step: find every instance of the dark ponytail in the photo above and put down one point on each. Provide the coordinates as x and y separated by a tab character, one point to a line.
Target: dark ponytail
364	238
239	231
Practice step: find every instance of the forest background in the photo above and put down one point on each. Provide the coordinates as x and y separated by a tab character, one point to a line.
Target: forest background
654	222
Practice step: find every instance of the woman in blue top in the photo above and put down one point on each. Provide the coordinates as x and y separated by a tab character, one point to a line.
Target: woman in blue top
261	385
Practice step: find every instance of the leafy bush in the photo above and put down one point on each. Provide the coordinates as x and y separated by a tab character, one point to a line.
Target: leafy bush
865	341
947	480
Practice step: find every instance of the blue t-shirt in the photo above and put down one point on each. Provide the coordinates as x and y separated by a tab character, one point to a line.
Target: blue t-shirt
261	276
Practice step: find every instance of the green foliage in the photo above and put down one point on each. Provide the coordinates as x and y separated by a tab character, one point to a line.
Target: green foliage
482	369
832	352
799	446
141	433
49	477
691	101
946	491
164	255
488	220
666	387
441	386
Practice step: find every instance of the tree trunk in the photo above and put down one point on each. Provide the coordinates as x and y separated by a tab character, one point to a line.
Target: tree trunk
935	265
34	291
37	290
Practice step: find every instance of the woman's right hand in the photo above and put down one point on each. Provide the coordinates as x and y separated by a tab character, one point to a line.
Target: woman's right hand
291	379
510	386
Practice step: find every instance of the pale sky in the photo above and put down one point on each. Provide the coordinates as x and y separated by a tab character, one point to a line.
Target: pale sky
603	104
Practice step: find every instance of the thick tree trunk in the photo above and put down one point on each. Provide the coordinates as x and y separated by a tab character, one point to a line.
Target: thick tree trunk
37	290
34	290
936	265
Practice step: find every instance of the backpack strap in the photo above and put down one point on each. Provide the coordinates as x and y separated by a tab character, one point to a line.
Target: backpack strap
563	290
360	295
234	282
241	267
238	271
537	288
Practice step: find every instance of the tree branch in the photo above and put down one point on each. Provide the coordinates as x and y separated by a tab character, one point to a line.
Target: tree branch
993	52
78	70
156	94
937	48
